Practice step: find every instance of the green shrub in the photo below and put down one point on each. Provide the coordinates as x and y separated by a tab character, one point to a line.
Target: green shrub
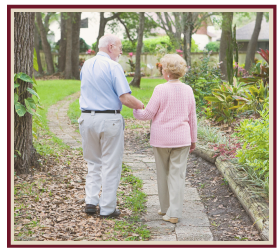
214	46
195	47
149	45
254	137
226	101
93	46
203	76
83	45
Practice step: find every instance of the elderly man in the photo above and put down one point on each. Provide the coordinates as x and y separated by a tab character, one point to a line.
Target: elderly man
104	89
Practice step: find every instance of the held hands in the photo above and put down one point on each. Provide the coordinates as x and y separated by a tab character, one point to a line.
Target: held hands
141	105
192	147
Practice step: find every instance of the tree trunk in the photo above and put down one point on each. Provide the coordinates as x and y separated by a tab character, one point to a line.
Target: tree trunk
137	76
102	24
68	60
36	45
187	21
62	43
23	62
45	44
250	55
76	44
226	44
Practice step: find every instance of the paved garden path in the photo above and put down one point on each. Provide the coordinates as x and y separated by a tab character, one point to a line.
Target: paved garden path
194	224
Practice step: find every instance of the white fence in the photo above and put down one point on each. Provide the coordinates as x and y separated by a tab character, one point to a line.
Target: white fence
151	60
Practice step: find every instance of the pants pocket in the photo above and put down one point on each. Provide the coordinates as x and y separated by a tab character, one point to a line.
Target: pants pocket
112	127
80	120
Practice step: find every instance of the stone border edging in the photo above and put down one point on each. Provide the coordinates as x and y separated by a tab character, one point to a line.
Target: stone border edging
257	208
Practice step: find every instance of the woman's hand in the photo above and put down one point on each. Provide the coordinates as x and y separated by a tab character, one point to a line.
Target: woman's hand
192	147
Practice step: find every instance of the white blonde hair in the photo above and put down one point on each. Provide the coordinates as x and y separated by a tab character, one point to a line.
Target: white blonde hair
174	64
106	40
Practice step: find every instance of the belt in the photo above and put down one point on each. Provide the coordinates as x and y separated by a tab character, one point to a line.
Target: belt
103	111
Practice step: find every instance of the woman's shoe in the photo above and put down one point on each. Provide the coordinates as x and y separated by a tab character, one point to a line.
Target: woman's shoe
160	213
172	220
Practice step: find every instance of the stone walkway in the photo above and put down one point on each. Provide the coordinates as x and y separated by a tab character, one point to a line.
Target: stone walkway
194	224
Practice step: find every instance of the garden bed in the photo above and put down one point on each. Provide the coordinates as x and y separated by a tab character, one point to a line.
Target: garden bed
256	206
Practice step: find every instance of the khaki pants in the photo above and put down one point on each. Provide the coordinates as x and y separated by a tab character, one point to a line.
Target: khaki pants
171	164
103	146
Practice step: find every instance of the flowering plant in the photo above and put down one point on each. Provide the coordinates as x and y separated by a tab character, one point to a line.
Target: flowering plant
239	69
130	62
90	52
159	67
180	52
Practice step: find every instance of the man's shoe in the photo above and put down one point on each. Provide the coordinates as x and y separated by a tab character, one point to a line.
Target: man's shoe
116	213
172	220
160	213
90	208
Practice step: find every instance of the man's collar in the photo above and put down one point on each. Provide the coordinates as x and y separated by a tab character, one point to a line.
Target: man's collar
101	53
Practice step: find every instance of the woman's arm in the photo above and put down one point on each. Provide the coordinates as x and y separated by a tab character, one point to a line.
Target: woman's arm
193	121
152	107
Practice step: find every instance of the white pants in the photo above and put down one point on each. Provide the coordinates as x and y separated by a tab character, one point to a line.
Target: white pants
171	164
103	146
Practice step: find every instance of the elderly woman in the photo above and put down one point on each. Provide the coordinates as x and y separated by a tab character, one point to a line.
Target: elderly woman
173	134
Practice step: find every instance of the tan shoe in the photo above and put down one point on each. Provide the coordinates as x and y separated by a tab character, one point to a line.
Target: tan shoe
160	213
172	220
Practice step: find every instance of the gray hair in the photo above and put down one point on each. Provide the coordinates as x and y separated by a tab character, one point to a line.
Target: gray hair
104	41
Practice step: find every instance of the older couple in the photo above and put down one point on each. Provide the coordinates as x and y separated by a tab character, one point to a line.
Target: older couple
171	108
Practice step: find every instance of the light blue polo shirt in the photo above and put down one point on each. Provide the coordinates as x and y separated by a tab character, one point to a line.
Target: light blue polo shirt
102	83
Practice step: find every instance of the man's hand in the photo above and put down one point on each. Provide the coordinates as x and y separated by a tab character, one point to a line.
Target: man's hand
192	147
131	102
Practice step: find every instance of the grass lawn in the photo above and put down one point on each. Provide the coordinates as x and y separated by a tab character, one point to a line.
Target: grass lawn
52	91
143	94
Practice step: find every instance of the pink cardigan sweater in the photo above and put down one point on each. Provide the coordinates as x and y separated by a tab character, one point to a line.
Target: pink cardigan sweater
173	114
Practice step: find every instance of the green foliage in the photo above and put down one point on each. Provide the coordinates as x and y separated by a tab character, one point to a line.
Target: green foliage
51	92
213	46
150	44
226	101
153	45
253	98
243	18
209	134
194	46
132	228
30	105
131	64
35	63
131	21
93	46
259	70
83	45
203	76
74	111
254	136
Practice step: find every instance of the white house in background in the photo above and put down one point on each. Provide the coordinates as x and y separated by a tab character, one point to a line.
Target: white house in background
205	34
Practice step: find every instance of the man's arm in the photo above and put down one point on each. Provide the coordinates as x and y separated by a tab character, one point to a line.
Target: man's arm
131	102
